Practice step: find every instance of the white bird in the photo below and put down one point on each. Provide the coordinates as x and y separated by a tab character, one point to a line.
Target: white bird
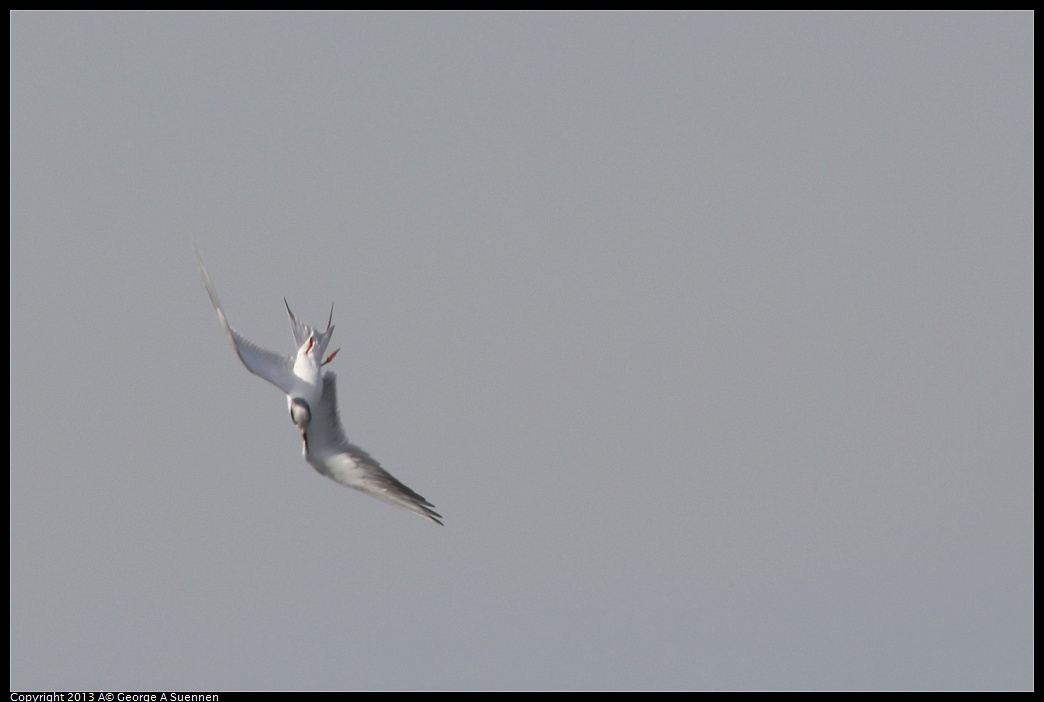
311	397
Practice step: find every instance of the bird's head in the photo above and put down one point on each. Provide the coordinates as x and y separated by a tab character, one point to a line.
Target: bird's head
301	414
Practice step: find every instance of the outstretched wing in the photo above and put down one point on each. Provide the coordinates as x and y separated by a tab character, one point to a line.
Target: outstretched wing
330	453
276	369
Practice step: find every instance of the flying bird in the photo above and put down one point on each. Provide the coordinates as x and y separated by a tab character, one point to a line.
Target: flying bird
311	397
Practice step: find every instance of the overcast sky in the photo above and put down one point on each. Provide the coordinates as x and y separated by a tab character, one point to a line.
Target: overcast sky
710	335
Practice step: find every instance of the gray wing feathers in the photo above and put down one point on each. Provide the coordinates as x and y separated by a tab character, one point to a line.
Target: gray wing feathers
276	369
330	453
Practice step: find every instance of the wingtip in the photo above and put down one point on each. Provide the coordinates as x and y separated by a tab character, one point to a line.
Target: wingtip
425	510
211	292
200	262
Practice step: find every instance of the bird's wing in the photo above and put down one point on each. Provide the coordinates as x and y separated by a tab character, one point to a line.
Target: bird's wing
276	369
330	453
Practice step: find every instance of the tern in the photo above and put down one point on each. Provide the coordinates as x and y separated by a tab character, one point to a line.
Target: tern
311	397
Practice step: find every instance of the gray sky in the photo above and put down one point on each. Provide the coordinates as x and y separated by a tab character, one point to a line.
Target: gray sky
710	335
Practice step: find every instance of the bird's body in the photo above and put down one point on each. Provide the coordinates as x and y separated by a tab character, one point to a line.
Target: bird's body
312	400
